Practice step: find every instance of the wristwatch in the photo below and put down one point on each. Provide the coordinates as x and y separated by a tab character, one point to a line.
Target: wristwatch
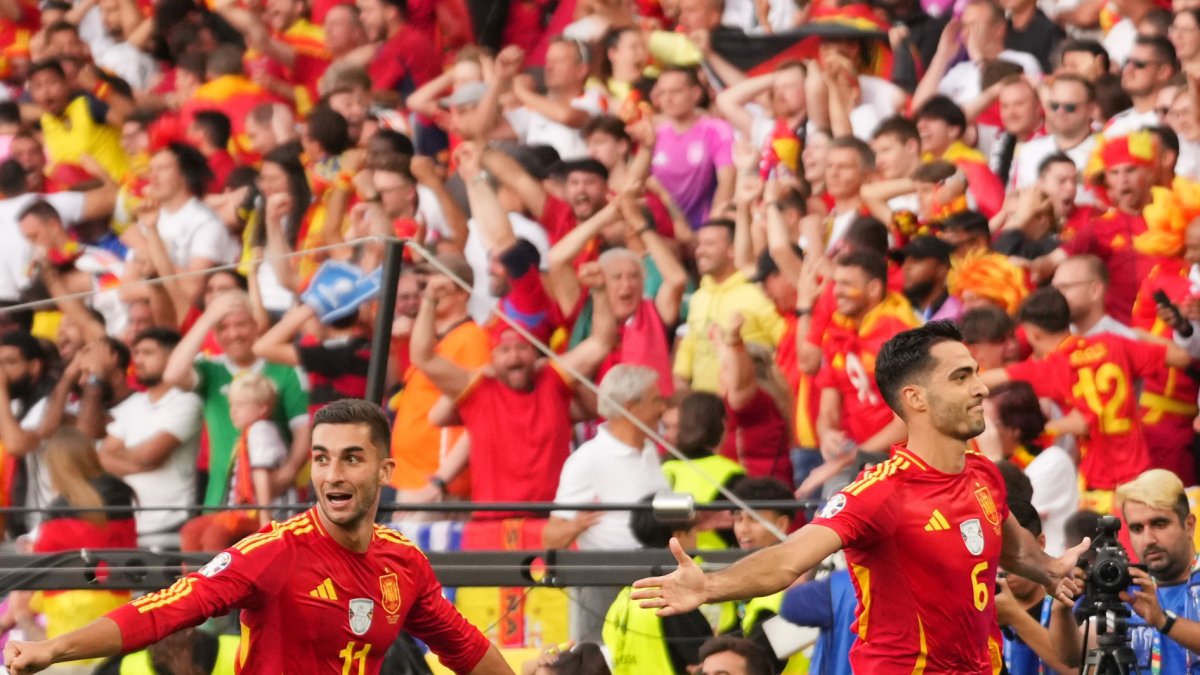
438	483
1170	623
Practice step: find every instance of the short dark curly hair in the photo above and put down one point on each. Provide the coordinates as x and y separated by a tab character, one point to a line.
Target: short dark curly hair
908	356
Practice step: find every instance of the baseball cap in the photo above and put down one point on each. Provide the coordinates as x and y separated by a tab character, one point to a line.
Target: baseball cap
924	248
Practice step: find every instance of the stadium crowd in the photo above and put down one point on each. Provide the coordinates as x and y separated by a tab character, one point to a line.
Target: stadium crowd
718	210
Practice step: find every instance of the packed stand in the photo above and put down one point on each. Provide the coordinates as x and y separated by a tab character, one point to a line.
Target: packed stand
718	211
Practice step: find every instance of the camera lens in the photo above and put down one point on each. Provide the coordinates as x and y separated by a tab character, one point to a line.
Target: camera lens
1109	573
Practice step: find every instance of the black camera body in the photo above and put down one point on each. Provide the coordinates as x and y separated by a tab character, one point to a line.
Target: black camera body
1106	566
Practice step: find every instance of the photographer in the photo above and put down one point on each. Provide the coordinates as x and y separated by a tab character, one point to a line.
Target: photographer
1165	602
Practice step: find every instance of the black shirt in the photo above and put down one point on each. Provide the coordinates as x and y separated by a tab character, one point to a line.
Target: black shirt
1039	38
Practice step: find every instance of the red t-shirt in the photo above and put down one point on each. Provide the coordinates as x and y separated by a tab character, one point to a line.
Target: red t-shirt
1095	375
333	610
1110	237
222	164
849	351
519	439
406	61
1167	403
558	220
908	528
757	437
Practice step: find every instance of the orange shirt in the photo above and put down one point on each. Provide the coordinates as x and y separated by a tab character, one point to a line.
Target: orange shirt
417	445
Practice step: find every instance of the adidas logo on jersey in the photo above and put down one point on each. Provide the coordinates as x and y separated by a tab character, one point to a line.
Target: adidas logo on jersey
324	591
937	522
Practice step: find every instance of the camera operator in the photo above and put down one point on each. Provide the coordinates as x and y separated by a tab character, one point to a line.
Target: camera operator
1166	602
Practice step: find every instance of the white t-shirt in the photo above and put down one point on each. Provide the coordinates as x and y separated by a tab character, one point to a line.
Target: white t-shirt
1188	164
605	470
962	82
129	63
429	212
139	419
477	255
15	251
1055	494
1128	121
194	231
1031	154
534	128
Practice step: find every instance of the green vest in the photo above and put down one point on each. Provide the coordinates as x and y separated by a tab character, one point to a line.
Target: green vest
753	612
634	637
683	478
138	663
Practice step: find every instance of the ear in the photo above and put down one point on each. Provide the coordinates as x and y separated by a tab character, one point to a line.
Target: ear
913	396
1189	524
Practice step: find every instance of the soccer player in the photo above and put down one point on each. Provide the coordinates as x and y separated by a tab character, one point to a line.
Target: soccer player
349	588
933	516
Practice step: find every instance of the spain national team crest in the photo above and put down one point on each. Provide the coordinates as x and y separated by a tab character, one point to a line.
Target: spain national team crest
389	587
984	496
362	611
972	534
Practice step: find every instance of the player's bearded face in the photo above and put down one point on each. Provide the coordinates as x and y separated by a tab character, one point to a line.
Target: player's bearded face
956	416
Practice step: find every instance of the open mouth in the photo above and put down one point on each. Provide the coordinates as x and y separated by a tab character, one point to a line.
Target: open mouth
338	498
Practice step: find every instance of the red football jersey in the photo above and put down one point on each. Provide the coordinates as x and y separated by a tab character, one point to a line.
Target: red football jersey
923	549
1109	236
1167	404
849	350
1095	376
311	605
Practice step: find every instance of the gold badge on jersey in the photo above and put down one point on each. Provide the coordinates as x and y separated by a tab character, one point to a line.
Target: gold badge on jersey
389	586
984	496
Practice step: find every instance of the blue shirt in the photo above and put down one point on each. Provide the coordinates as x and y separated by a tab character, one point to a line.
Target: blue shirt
828	604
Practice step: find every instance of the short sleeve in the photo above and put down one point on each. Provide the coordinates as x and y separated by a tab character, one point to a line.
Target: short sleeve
265	445
293	398
518	118
721	144
211	242
182	418
1145	358
574	484
204	374
861	513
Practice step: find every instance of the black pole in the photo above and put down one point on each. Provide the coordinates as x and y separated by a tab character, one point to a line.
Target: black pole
381	342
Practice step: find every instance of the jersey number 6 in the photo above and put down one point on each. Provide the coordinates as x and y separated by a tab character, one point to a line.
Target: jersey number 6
979	588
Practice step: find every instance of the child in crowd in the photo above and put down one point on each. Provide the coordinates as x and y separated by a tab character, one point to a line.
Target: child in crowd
260	450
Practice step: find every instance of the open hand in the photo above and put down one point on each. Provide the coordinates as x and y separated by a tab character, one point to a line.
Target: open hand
676	593
1067	586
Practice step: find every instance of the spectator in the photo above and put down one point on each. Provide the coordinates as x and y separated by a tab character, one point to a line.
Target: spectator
75	125
1021	121
723	291
637	639
79	481
195	237
942	126
853	423
210	133
27	382
619	465
693	154
406	59
723	654
702	424
228	316
1014	408
1151	64
1069	109
1030	31
925	265
153	439
422	451
1083	281
260	451
490	405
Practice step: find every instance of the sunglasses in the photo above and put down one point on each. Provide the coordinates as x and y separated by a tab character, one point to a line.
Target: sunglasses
1139	64
1065	107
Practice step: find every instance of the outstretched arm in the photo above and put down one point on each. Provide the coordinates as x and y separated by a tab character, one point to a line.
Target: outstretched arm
767	571
99	638
1022	555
